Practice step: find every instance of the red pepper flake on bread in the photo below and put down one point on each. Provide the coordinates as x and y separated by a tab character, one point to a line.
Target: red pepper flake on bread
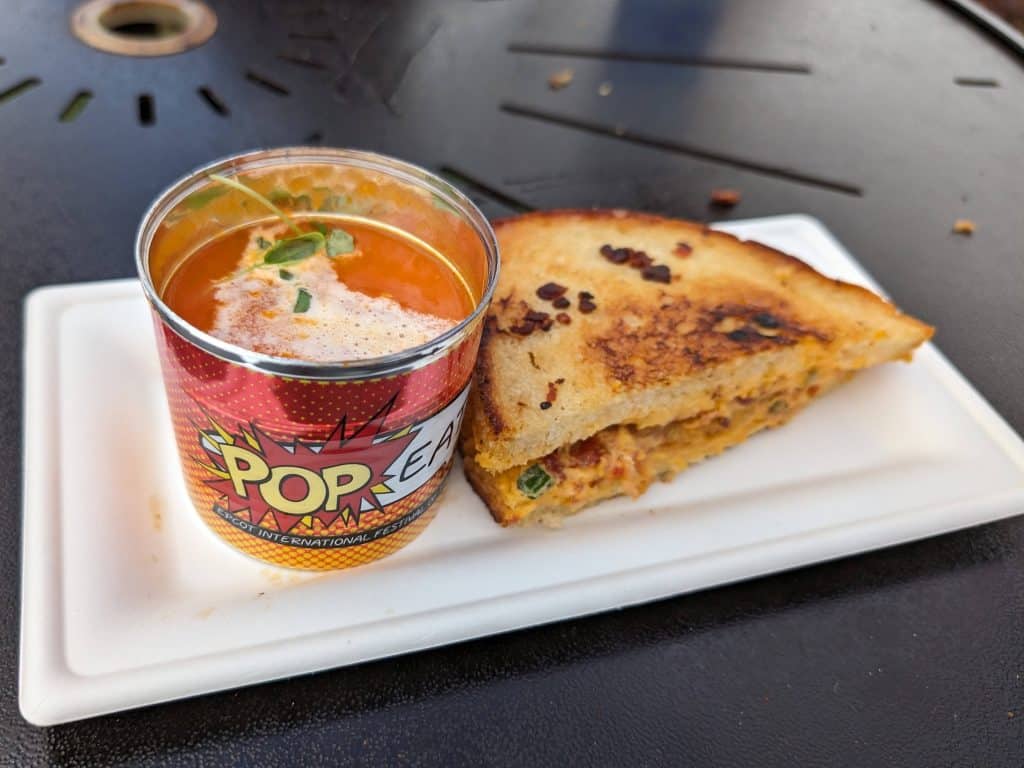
640	260
550	291
657	273
553	389
637	260
615	255
537	317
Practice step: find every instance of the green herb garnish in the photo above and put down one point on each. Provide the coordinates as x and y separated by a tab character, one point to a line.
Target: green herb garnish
335	203
340	242
262	242
235	184
278	195
294	249
197	200
534	481
285	274
302	301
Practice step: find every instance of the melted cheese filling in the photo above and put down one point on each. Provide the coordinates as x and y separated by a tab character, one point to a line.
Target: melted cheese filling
624	459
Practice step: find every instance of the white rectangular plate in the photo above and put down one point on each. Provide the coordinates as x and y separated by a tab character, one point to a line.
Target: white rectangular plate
128	600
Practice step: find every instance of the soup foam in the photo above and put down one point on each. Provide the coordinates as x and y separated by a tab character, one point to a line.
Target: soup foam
257	310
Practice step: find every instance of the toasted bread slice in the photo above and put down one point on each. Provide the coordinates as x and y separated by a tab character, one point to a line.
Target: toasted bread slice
678	327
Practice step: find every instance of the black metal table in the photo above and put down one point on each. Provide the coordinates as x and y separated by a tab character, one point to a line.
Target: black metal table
885	120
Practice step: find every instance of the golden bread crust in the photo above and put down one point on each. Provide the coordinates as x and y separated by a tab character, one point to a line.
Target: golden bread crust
651	352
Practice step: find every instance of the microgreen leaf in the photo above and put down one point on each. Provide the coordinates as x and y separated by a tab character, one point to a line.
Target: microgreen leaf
340	242
235	184
285	274
320	227
302	203
278	195
197	200
294	249
302	301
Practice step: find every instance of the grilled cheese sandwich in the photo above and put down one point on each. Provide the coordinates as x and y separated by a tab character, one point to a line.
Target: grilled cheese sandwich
623	347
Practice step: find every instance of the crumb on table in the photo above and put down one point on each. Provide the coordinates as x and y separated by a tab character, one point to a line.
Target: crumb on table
725	198
963	227
560	79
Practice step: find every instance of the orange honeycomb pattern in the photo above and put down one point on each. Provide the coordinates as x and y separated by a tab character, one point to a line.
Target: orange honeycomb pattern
331	559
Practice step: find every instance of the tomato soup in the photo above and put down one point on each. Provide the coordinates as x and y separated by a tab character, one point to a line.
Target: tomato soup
322	289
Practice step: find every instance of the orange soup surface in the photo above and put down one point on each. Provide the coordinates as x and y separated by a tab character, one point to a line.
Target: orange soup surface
343	289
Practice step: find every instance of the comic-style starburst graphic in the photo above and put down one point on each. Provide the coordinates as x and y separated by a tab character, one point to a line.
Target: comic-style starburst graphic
368	446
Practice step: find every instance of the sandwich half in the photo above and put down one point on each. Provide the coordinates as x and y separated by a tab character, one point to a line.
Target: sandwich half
622	347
